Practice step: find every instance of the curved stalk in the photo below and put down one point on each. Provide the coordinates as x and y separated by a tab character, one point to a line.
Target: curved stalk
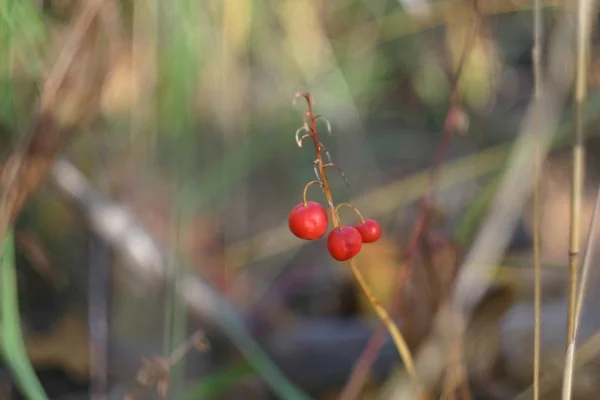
391	326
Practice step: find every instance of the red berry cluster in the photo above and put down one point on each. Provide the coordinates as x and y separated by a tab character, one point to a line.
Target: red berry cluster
309	220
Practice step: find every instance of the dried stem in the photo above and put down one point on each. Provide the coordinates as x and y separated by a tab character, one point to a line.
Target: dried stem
585	272
391	327
196	340
537	270
309	184
395	333
67	55
578	163
583	31
156	371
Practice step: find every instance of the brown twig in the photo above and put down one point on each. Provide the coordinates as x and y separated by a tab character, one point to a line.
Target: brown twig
362	367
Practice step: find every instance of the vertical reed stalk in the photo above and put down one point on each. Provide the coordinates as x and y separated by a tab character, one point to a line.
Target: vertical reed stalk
585	272
537	92
578	162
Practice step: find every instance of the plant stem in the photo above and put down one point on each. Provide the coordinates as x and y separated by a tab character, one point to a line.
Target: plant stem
323	174
14	351
576	296
391	326
537	269
578	166
585	272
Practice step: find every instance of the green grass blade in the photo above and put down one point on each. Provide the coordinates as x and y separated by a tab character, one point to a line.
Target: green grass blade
14	352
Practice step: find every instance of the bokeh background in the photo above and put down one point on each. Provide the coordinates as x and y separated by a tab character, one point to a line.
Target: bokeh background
167	215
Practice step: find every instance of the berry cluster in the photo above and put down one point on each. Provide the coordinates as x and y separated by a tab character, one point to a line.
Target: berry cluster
309	220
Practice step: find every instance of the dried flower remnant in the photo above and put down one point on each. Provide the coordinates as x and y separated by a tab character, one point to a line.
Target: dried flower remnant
156	371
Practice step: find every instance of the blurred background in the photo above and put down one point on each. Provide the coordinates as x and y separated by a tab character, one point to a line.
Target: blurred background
156	260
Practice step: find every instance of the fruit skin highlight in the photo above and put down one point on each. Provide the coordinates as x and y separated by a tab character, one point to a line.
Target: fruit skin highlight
308	220
369	230
344	243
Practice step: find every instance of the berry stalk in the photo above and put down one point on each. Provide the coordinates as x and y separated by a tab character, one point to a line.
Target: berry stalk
319	162
344	242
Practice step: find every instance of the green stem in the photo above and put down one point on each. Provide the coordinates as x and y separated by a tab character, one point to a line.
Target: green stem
14	352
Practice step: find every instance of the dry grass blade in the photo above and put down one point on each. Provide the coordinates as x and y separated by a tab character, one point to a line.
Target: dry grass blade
74	41
25	170
568	374
585	273
582	23
584	355
70	97
537	75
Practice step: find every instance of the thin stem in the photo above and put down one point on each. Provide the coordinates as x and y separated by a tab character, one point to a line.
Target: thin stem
337	209
576	296
537	270
319	163
12	346
395	333
332	165
392	328
578	164
196	340
309	184
584	355
585	272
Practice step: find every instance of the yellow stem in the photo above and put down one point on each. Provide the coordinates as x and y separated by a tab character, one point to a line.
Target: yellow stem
391	326
537	318
337	210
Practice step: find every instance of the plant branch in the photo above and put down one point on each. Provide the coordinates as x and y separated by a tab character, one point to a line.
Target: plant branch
391	326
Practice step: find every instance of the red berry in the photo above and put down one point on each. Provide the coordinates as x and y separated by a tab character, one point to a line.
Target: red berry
344	243
369	230
308	221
